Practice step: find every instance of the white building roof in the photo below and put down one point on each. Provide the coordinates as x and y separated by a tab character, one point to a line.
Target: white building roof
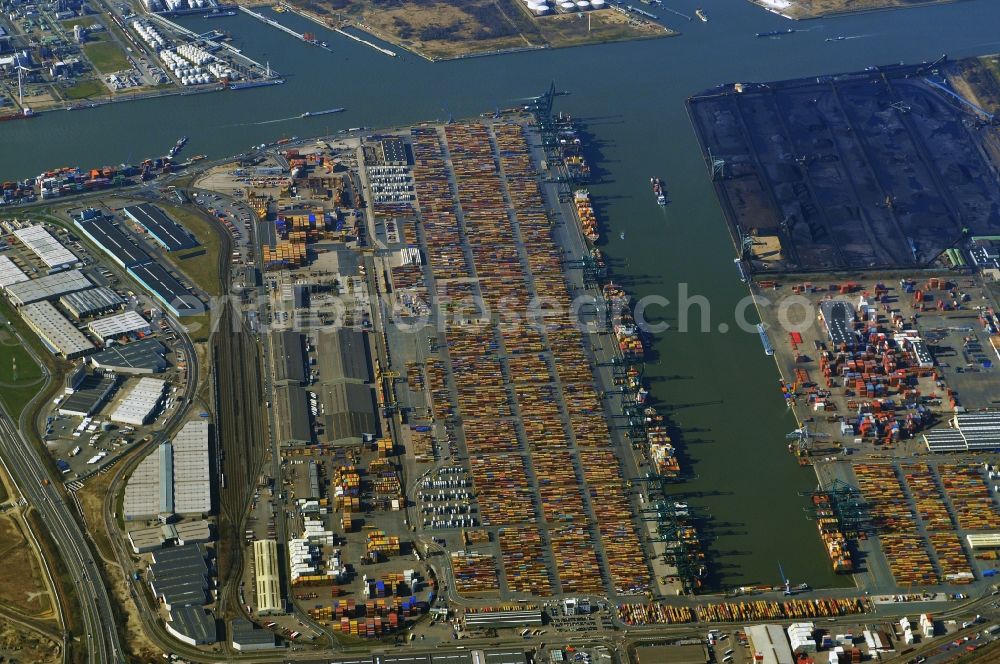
770	643
10	273
267	577
49	250
118	325
139	404
60	335
142	493
192	479
49	286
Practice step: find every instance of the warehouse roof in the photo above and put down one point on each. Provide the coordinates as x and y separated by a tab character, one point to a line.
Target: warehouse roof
267	577
166	288
55	330
142	493
289	358
92	300
969	432
292	414
393	150
192	477
770	643
179	575
838	316
127	322
43	244
10	273
161	226
247	636
527	617
113	241
194	623
88	395
192	532
145	355
49	286
343	355
140	402
146	539
349	410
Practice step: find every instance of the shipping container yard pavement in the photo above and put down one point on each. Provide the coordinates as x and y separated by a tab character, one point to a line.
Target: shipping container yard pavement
961	365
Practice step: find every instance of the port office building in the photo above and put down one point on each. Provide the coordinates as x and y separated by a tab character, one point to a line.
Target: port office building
168	233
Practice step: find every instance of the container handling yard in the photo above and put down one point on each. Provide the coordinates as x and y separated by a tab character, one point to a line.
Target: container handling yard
436	461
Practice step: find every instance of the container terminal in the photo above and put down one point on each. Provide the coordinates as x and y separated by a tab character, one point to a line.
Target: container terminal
398	470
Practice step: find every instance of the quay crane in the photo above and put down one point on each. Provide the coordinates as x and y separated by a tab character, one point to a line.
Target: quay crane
789	590
804	437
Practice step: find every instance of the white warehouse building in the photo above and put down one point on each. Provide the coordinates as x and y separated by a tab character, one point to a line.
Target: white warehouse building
137	407
49	250
127	323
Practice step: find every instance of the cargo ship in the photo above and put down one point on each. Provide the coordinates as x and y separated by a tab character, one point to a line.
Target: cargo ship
661	451
244	85
26	114
623	325
309	114
585	211
830	533
700	13
775	33
181	142
661	198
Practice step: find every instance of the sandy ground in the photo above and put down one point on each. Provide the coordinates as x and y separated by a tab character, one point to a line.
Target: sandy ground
92	500
20	644
23	585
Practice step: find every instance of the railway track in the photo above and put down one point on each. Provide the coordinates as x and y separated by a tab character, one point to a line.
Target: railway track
239	402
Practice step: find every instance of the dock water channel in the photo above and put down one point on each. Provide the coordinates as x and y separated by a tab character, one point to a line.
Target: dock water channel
716	384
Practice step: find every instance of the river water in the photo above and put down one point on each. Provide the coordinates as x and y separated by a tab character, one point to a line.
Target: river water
719	388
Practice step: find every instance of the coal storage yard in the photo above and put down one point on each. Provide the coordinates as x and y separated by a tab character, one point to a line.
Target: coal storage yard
871	170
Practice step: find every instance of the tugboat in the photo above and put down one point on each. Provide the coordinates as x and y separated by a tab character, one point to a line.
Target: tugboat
700	13
661	198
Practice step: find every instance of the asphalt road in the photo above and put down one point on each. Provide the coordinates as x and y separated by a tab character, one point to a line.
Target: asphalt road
27	470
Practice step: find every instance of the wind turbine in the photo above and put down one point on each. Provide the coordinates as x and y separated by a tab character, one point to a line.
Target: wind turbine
25	111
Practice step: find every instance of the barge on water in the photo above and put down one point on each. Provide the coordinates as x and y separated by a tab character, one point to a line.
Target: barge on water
768	348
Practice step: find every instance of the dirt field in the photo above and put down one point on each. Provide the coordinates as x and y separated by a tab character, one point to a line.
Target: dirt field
443	29
814	8
22	578
19	644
